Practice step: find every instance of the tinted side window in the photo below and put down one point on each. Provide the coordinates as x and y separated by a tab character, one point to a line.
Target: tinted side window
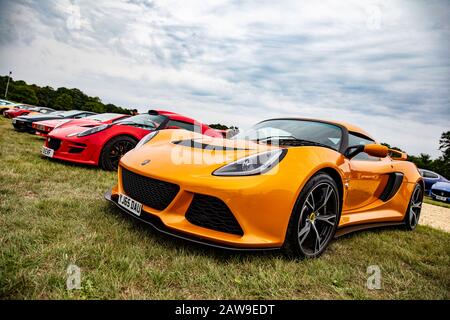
355	140
428	174
117	120
144	121
82	115
181	124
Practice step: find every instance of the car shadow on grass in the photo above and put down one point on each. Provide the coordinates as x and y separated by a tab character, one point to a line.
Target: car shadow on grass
72	164
223	255
172	243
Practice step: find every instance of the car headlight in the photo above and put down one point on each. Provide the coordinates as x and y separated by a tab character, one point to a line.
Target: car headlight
252	165
146	139
90	131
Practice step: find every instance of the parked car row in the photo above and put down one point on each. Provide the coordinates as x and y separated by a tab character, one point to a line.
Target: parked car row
11	109
287	183
436	186
88	138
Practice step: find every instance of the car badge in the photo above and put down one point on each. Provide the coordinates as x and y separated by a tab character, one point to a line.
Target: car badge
143	163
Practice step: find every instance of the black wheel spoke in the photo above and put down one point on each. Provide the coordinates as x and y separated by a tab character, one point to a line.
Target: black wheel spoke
118	150
304	232
310	201
327	196
317	240
412	217
415	207
316	228
326	218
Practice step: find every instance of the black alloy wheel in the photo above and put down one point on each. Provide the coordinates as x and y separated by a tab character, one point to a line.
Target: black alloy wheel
114	150
315	218
412	215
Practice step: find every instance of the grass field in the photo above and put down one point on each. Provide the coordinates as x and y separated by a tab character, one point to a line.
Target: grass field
53	214
430	200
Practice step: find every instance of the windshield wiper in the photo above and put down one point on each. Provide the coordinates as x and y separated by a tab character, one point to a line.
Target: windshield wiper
274	138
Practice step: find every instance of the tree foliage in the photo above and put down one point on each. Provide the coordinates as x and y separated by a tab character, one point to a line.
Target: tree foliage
64	102
59	99
22	93
440	165
444	144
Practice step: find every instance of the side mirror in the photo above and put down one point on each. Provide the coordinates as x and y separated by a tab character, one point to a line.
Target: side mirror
374	150
398	155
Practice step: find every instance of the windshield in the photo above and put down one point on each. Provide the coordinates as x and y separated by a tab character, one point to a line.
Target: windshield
103	116
289	129
69	113
146	121
4	102
56	113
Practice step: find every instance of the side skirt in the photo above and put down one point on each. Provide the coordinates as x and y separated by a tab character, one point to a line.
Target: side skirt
346	230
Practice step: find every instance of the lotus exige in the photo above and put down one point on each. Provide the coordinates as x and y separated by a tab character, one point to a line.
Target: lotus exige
286	183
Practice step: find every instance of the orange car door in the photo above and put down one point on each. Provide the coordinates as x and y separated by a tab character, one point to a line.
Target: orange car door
366	182
367	178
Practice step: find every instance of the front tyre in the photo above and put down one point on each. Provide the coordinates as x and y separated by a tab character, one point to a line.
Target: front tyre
113	150
315	218
415	206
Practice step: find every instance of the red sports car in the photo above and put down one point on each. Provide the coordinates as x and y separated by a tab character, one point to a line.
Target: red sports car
104	144
44	127
24	109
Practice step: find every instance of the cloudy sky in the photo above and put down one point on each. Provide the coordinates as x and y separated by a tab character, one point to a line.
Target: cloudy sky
383	65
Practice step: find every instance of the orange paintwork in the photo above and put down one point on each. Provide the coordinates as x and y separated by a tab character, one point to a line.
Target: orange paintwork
262	204
376	150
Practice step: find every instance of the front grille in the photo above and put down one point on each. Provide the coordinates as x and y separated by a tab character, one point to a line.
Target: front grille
212	213
20	125
75	150
53	143
441	193
154	193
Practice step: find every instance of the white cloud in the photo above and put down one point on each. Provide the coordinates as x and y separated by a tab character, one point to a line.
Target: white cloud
382	65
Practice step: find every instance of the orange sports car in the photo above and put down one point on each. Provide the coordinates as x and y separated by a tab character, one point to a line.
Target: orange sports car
286	183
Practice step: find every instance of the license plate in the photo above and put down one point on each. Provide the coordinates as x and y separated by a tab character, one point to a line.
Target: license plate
14	120
130	204
40	127
47	152
441	198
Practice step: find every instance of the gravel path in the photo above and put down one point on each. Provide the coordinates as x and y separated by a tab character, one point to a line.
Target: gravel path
436	217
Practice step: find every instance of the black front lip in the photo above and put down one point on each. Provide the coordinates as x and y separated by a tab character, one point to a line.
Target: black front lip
22	125
157	224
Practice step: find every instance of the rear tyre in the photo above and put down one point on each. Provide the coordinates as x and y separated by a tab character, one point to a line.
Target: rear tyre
315	218
113	150
415	206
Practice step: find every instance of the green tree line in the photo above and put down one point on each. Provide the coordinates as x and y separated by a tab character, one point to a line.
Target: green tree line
59	99
440	165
